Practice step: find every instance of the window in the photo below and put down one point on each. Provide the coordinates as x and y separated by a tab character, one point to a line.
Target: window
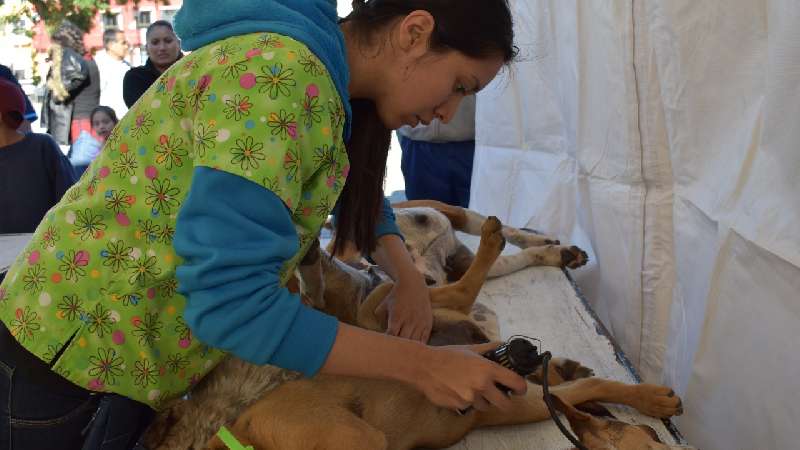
168	15
143	19
111	20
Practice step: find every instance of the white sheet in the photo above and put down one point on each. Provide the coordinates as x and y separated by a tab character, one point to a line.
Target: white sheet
662	137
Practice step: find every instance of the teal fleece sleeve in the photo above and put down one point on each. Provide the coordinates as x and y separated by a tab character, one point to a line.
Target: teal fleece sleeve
234	236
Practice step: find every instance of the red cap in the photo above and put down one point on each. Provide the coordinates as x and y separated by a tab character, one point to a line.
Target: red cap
11	100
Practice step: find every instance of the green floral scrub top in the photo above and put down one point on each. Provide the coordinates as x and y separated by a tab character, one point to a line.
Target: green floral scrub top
96	285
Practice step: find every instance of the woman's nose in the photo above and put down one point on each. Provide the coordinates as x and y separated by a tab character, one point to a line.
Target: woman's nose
447	110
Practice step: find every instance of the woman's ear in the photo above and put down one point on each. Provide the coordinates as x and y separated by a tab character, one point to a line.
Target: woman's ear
413	34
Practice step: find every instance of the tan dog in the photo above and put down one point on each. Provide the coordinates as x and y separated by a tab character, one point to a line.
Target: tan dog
348	413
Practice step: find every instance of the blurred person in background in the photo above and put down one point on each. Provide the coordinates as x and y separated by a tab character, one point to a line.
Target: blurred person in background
113	67
163	49
437	157
30	113
72	88
34	174
86	148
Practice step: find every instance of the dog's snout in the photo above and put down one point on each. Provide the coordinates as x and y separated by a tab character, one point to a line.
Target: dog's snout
429	280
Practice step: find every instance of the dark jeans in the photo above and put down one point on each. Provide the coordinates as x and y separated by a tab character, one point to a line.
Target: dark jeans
41	410
437	171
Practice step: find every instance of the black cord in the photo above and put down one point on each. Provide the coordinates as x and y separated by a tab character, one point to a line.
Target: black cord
549	402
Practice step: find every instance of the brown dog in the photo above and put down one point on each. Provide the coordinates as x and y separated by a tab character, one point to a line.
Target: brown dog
348	413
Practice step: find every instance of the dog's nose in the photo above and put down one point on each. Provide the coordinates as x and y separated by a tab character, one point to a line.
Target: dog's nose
429	281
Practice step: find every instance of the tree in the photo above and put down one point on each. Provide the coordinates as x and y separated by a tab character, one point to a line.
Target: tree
80	12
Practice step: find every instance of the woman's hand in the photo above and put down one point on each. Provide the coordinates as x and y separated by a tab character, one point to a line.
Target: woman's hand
409	303
457	377
409	307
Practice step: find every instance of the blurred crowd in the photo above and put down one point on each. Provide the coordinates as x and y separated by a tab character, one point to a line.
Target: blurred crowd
84	96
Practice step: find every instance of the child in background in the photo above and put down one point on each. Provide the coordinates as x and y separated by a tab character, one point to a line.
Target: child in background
34	174
86	148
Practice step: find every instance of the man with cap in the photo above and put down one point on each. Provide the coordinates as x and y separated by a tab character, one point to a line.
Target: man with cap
34	174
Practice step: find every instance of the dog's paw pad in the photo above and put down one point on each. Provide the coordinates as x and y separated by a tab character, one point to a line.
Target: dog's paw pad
573	257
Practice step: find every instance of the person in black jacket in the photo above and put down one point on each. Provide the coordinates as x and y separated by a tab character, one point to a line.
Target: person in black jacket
73	86
163	49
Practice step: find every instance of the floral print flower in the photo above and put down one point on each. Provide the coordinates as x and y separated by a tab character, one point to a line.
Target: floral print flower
276	81
324	207
282	124
168	288
74	193
269	40
142	124
143	271
235	69
336	112
166	234
50	237
149	230
25	324
177	362
117	255
198	96
177	104
126	165
237	107
223	52
117	201
113	138
34	279
247	153
52	351
183	330
73	263
312	111
170	151
148	329
130	298
99	320
325	159
144	373
106	366
162	195
291	162
88	224
70	307
311	65
204	139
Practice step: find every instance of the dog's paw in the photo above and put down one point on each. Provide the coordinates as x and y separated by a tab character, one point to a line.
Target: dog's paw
562	370
573	257
492	234
657	401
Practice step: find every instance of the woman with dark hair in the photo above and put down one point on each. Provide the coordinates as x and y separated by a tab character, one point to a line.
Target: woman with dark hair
176	249
72	87
163	49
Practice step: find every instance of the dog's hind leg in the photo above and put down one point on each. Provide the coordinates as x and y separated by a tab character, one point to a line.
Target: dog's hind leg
461	295
652	400
550	255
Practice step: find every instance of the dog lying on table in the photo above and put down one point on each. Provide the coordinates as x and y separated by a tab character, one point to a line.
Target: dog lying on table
270	408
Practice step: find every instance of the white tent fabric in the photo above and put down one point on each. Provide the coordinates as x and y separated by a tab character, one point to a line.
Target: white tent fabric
662	137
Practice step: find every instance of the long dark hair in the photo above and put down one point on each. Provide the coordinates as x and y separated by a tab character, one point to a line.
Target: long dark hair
476	28
69	35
